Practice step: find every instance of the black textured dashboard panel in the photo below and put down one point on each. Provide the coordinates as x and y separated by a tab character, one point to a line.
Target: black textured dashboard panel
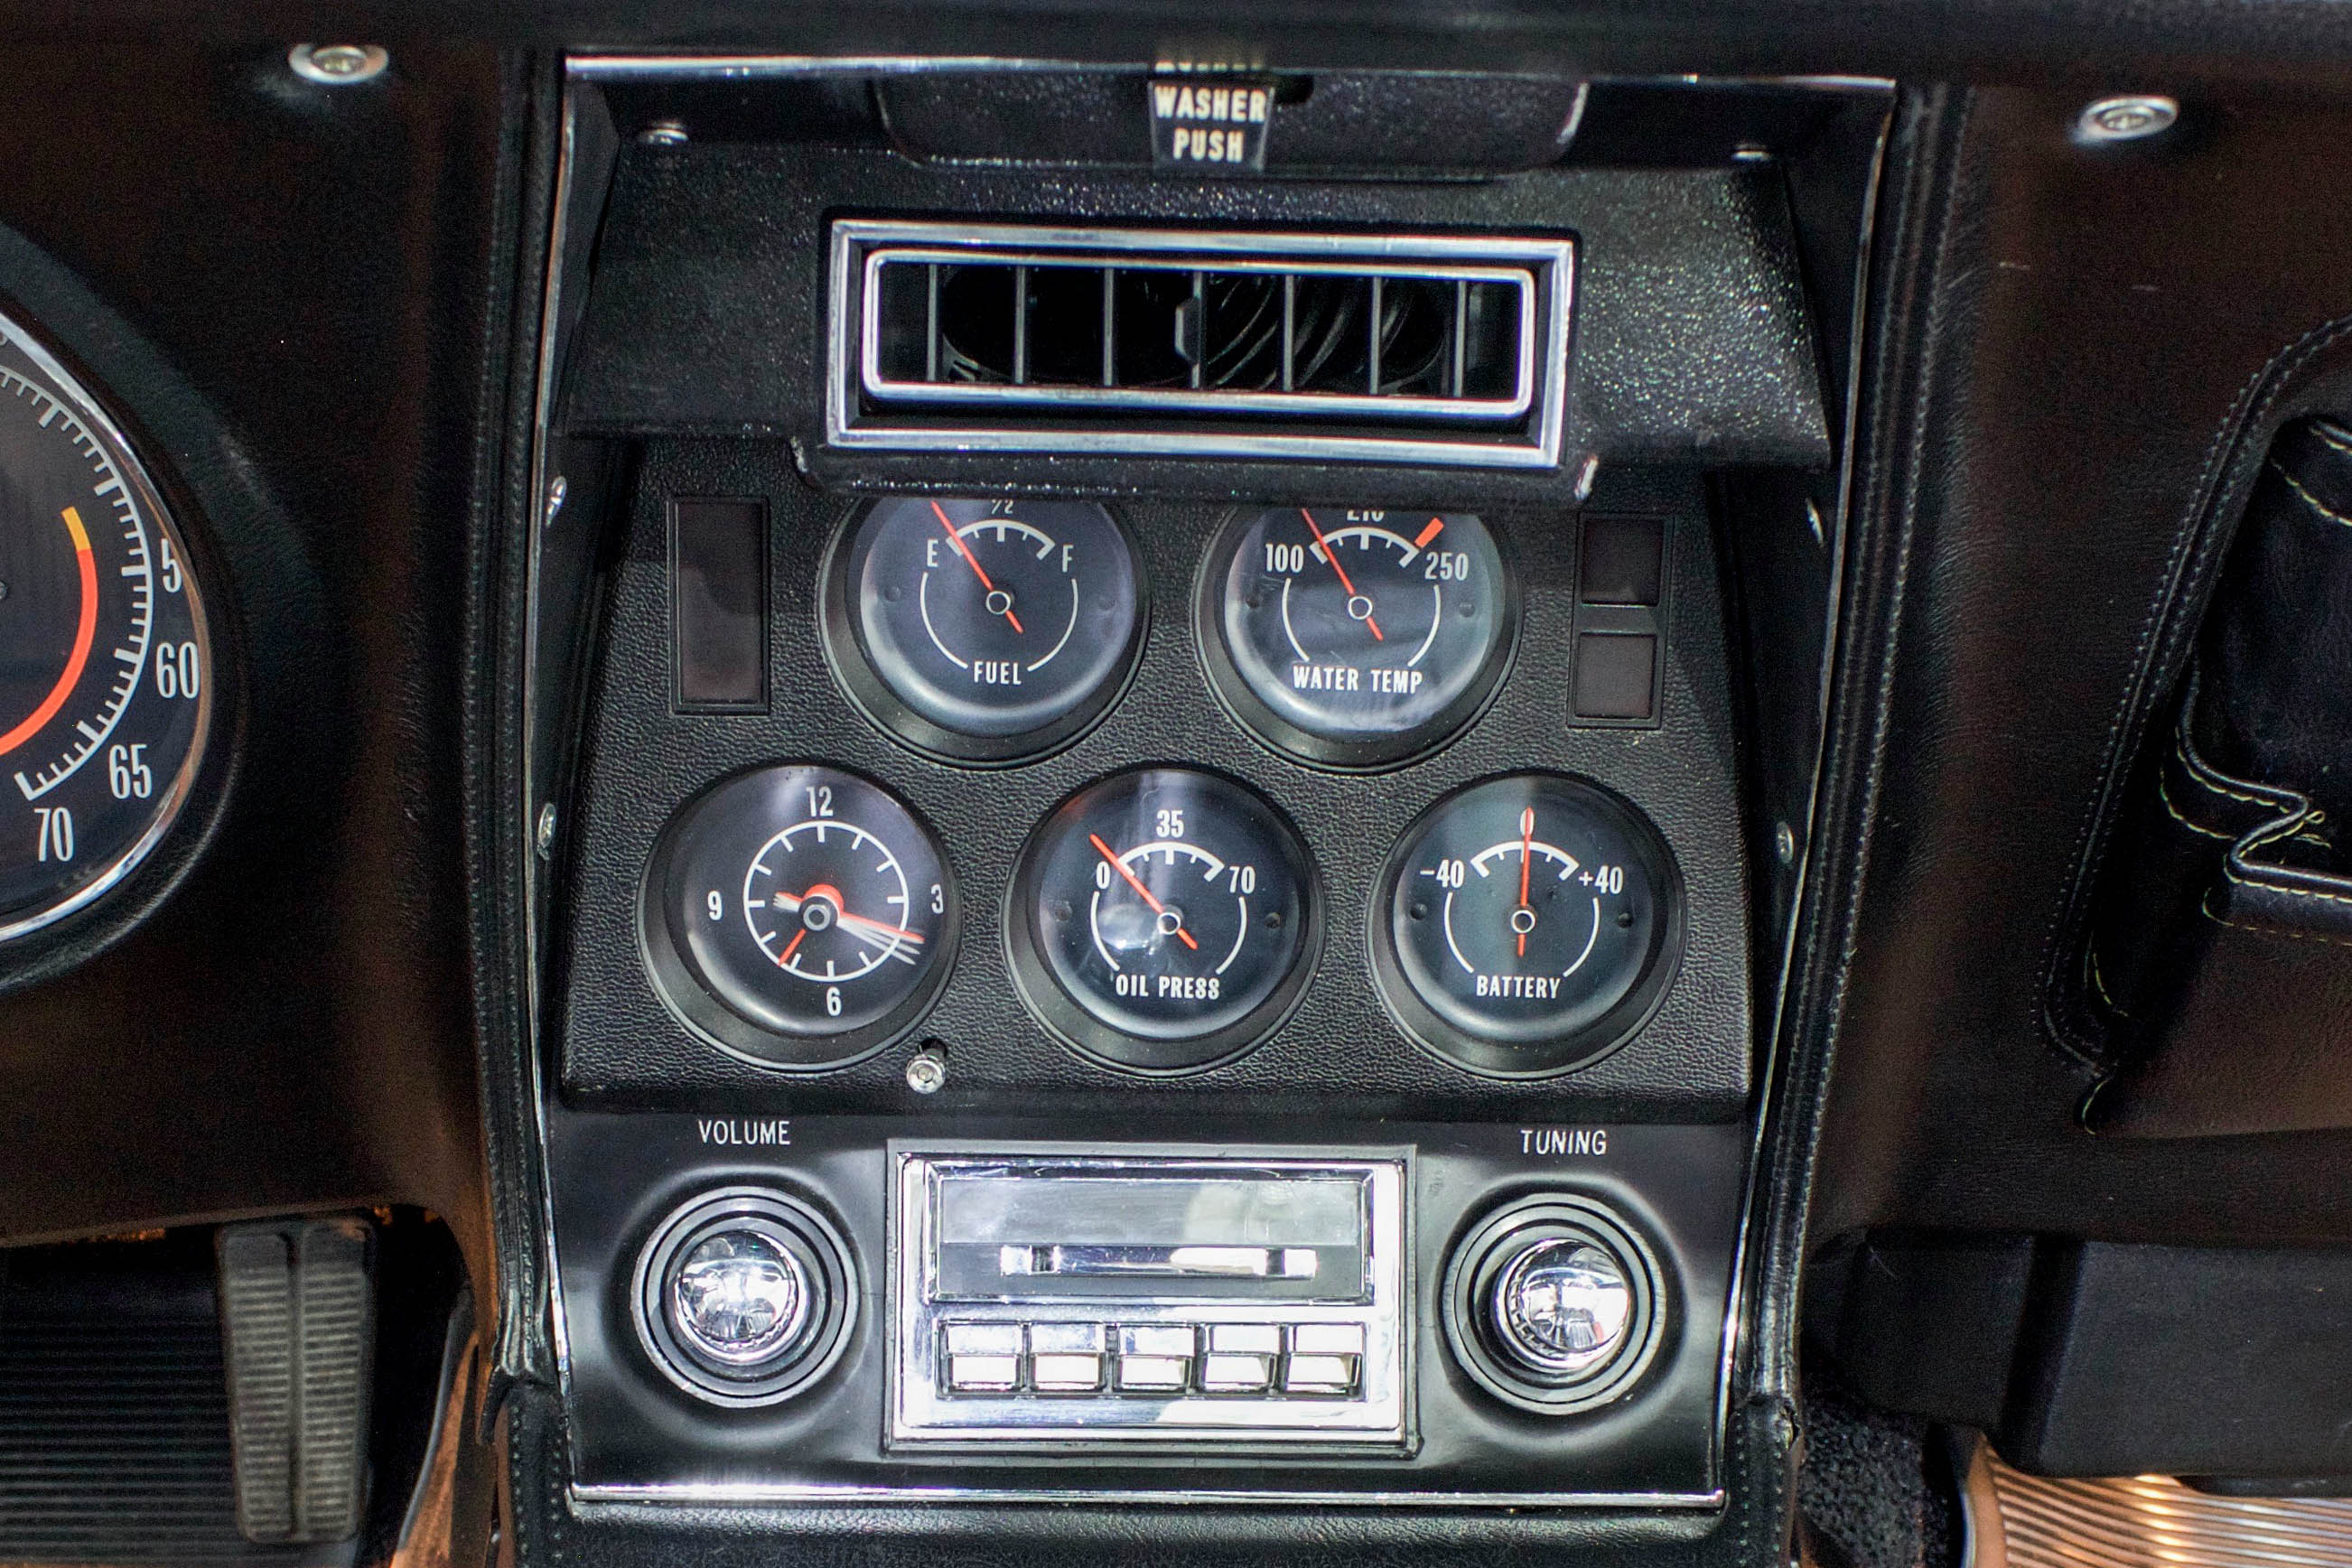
1693	1060
633	1435
1692	337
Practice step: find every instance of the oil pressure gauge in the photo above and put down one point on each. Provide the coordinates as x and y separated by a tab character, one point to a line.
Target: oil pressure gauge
1355	636
1162	920
983	630
1527	925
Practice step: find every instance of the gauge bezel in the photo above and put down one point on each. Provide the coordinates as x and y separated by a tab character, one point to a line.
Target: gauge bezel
842	641
1373	755
710	1018
1069	1020
1495	1058
197	767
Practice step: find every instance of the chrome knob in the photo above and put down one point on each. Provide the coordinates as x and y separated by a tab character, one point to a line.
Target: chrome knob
738	1298
1562	1306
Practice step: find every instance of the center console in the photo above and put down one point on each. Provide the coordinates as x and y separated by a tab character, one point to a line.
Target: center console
1149	830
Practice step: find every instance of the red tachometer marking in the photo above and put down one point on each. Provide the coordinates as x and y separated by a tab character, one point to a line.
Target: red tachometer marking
1527	848
83	633
1157	907
1333	557
1436	526
964	550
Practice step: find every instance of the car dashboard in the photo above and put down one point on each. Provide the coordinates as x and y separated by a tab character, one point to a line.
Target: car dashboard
1409	797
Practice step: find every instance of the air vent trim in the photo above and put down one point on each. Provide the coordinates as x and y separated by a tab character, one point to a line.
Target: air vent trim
866	408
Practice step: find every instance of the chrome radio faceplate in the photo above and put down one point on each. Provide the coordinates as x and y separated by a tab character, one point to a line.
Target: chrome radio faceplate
1052	1297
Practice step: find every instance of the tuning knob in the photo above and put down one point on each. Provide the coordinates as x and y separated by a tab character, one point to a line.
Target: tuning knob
1554	1304
1561	1305
744	1297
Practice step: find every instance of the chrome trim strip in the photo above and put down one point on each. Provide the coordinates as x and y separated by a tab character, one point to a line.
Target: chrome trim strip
857	243
845	1493
536	519
743	67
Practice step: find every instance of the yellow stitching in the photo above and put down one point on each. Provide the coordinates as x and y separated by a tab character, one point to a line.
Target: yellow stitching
2291	893
2329	434
2099	984
2281	931
2199	770
2321	506
2164	795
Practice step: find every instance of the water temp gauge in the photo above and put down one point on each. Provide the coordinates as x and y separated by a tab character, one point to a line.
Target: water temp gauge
1355	636
799	916
984	630
1161	919
1527	924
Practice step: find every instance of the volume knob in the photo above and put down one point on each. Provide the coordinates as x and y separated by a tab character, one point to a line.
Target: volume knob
738	1298
744	1295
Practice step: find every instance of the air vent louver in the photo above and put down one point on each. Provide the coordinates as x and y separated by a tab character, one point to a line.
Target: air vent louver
1377	348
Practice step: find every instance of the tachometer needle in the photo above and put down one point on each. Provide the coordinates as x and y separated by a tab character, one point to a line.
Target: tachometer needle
965	551
1133	881
1526	851
1333	557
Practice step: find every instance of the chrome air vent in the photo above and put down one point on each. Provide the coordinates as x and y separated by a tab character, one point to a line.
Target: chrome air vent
1373	348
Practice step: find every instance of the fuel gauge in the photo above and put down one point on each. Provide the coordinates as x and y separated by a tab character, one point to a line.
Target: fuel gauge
983	630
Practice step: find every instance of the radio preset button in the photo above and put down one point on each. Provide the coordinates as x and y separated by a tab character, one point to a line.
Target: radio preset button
1237	1373
1154	1373
1328	1339
983	1373
982	1339
1065	1374
1327	1374
1245	1338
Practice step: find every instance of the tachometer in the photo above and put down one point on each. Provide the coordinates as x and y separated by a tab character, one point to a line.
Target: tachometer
105	666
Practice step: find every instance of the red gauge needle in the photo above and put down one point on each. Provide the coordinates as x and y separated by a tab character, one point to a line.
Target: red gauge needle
1333	557
1527	847
1157	907
965	551
786	956
790	903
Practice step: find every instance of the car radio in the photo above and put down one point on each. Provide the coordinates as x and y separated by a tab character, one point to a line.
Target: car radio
1049	1298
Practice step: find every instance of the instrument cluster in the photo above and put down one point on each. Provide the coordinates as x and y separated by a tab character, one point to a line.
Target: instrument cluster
1161	919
